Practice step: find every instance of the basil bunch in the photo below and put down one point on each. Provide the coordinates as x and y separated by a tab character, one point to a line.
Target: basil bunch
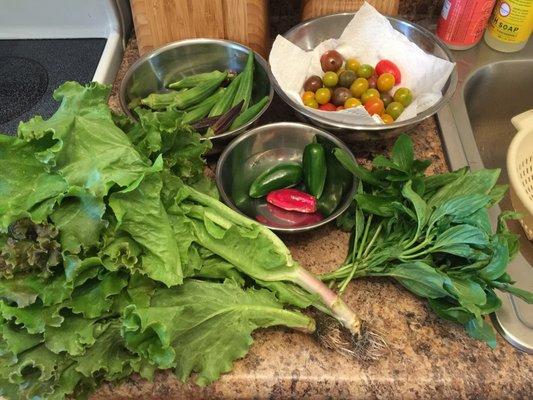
432	234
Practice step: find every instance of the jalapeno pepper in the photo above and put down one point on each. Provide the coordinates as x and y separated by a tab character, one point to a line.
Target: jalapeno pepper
278	177
338	181
314	166
292	200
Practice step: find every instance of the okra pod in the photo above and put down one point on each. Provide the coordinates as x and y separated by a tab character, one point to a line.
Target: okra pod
201	110
249	114
195	80
224	103
244	92
198	93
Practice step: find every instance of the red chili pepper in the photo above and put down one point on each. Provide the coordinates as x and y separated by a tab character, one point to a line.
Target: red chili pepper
292	200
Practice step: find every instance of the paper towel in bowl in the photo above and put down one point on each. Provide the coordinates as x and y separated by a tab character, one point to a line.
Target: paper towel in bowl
369	37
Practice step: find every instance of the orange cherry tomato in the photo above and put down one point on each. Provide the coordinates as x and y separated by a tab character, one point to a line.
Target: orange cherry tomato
385	82
374	106
308	96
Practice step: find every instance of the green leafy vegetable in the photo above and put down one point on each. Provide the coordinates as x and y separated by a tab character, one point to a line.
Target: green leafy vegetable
433	235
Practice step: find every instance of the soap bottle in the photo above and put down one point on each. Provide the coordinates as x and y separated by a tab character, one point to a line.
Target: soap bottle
510	25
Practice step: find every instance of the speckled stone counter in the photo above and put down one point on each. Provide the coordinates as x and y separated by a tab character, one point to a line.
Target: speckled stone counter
429	357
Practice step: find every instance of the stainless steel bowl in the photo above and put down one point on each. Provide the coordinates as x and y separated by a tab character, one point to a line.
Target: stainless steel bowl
259	149
169	63
309	34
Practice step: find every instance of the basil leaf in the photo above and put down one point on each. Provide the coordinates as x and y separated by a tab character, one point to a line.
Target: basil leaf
419	278
500	258
402	153
381	206
481	330
461	234
358	171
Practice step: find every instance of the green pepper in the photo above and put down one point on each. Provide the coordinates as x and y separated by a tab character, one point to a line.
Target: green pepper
280	176
338	181
314	165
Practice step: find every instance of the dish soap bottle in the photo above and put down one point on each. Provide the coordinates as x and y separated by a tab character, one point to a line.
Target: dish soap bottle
510	25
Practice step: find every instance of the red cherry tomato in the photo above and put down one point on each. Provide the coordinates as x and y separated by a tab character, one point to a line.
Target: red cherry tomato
327	107
388	66
340	108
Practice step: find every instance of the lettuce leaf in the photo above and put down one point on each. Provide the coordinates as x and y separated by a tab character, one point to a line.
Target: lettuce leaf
81	142
203	326
25	184
141	214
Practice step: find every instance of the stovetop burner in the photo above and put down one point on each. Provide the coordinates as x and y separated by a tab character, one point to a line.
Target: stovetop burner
31	69
23	82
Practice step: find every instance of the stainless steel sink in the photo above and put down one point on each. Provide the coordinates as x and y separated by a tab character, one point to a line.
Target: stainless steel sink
476	130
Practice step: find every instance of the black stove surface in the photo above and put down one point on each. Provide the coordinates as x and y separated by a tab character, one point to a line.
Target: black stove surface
31	69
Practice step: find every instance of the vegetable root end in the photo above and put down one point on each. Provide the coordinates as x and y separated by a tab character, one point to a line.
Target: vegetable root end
362	343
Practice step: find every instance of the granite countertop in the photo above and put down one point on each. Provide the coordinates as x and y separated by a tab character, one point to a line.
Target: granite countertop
429	357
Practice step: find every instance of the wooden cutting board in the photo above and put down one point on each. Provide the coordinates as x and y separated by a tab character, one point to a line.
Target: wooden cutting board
162	21
317	8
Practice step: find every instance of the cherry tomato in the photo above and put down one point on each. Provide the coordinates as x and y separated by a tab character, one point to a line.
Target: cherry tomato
322	95
365	71
340	108
352	102
311	103
330	79
385	82
352	64
386	97
374	106
394	109
372	81
313	83
327	107
307	96
404	96
387	118
331	61
358	87
388	66
370	93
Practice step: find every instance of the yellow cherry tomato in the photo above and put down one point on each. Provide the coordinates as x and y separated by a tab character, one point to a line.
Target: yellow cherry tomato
352	102
322	95
352	64
308	96
330	79
311	103
387	118
385	82
358	87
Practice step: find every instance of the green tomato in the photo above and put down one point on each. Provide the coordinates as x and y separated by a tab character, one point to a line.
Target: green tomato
394	109
330	79
365	71
369	94
404	96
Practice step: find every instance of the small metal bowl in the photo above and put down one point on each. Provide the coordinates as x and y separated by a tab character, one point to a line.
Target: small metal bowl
309	34
154	71
259	149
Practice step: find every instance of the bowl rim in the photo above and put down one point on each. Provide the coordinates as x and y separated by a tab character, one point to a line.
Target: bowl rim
453	79
187	42
272	126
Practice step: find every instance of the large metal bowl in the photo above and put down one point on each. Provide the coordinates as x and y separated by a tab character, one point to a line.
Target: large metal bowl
309	34
261	148
169	63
